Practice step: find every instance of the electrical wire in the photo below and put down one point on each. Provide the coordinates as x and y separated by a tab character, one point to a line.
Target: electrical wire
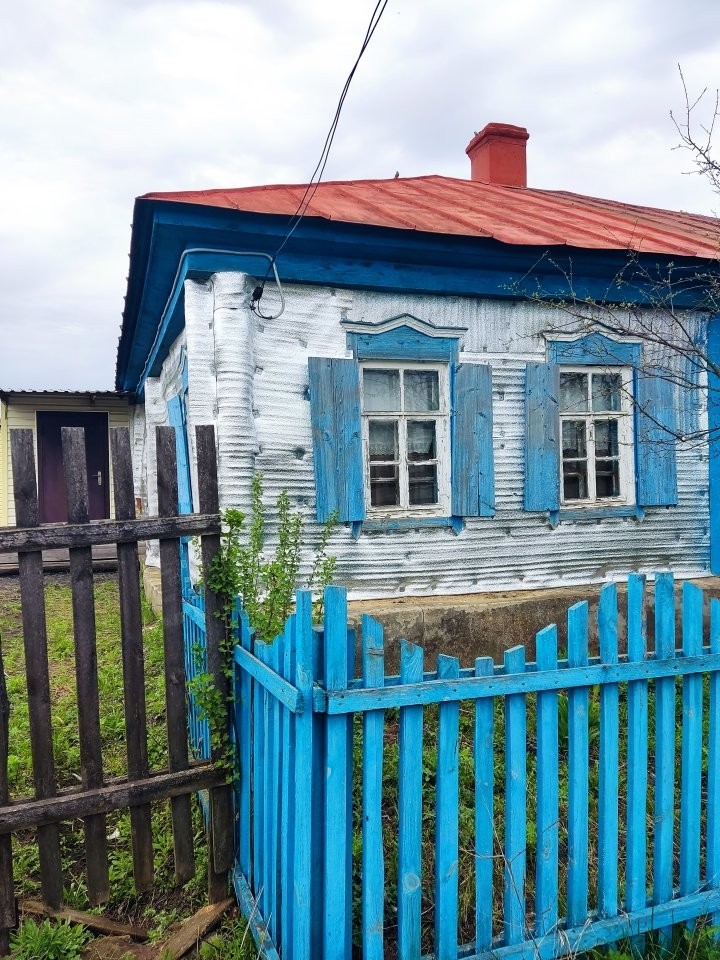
314	183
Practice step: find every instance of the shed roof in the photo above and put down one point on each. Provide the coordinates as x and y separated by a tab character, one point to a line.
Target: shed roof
509	214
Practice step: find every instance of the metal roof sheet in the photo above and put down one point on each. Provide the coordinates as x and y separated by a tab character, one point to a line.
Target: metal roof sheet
513	215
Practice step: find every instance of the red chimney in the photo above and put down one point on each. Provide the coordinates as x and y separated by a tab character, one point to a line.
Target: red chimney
497	155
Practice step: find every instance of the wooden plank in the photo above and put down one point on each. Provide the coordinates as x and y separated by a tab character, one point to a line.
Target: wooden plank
276	655
221	812
546	862
664	748
637	756
175	681
32	591
265	797
608	795
131	633
8	914
77	803
244	740
275	684
56	536
256	925
337	894
287	805
373	862
692	744
712	848
484	757
515	805
92	921
447	802
196	927
86	670
578	770
410	811
430	691
258	810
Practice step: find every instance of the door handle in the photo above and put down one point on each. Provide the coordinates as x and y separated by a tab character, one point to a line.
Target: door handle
98	477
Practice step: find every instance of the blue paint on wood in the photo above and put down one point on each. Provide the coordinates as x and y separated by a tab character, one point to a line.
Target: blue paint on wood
404	343
257	784
546	863
399	524
515	805
713	413
594	349
655	456
542	451
410	810
484	823
692	739
472	471
578	770
337	438
373	863
712	848
269	679
287	803
446	820
599	513
609	758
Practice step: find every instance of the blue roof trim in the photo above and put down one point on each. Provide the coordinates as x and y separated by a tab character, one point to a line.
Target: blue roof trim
354	256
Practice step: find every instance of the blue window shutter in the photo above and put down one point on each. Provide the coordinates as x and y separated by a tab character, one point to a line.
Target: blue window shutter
337	438
176	418
542	448
473	478
655	465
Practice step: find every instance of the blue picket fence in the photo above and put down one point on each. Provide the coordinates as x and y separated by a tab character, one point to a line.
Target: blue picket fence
586	790
195	645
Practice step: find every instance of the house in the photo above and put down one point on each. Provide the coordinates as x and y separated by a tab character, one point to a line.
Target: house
433	359
45	412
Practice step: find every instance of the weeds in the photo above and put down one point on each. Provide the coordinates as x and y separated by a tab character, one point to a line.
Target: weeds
48	940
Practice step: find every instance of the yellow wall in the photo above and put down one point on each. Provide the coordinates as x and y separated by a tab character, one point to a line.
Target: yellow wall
19	413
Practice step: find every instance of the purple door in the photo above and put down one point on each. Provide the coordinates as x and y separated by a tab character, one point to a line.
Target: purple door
51	481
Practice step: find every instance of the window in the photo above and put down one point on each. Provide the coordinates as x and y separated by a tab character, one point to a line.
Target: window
596	432
406	445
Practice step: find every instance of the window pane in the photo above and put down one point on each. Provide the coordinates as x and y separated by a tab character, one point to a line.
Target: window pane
575	479
381	390
607	478
573	438
573	392
422	390
606	438
384	486
606	391
423	484
421	440
383	437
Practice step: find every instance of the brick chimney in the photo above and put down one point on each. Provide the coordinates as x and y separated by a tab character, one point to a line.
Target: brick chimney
497	155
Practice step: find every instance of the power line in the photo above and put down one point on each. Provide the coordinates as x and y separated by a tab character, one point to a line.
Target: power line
314	183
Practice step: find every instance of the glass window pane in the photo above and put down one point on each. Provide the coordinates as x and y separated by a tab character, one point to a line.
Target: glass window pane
573	438
381	390
383	435
423	484
606	438
573	392
607	478
421	440
575	480
384	486
606	391
422	390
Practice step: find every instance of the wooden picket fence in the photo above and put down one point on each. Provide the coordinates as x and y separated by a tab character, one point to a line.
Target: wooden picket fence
44	812
565	756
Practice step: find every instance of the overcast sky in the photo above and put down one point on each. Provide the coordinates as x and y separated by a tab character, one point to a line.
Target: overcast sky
103	100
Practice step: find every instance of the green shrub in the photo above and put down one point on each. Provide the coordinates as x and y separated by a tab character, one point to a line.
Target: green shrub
48	941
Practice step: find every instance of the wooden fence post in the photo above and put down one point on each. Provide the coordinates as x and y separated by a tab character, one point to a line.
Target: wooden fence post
8	913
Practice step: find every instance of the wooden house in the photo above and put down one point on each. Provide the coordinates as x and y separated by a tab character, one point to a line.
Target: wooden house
461	369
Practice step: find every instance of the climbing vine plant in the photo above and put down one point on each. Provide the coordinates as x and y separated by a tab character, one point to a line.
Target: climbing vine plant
264	584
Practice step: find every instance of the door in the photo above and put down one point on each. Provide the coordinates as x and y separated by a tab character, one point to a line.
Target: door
51	482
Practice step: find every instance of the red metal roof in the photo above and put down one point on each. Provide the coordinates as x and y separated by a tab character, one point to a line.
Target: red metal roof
515	215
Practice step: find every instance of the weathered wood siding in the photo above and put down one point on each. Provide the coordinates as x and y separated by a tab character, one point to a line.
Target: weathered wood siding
249	378
20	413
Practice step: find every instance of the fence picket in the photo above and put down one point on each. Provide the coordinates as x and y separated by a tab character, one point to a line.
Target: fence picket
637	757
692	706
373	866
287	830
712	850
8	912
578	770
410	810
608	799
277	657
515	804
243	708
546	864
484	759
446	819
664	747
258	825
